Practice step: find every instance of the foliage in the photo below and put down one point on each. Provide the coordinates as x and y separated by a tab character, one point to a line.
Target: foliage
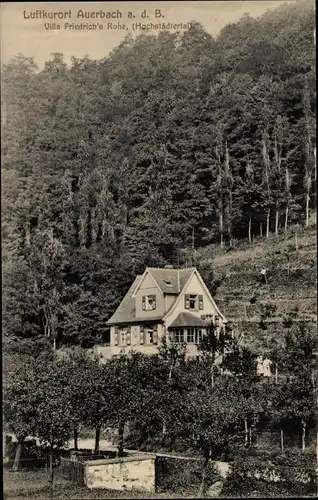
281	474
173	141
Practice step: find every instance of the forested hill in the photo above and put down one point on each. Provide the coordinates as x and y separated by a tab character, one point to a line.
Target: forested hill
170	141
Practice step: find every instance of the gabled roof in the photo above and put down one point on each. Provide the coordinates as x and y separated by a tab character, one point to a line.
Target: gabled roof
126	311
187	319
170	281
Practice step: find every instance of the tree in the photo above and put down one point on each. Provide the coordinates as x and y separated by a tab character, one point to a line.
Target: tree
209	422
171	355
86	382
295	398
19	400
53	419
124	391
308	149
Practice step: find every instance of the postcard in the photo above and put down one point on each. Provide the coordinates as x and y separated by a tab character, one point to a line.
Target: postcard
159	255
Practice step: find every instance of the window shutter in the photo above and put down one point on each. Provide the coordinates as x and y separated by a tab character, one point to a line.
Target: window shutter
143	302
201	302
142	334
128	336
116	335
187	301
154	301
155	334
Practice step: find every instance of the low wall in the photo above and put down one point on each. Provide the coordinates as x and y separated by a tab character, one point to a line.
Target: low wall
127	473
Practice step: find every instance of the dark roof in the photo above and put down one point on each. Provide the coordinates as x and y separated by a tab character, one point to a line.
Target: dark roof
188	319
170	281
126	311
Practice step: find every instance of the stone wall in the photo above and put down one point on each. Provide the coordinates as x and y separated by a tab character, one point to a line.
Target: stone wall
127	473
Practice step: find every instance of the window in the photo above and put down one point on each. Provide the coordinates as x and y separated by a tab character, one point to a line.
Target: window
106	337
124	335
142	334
179	335
115	335
191	335
148	302
193	302
148	334
194	335
198	336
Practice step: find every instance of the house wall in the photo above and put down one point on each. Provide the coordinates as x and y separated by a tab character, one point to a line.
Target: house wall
115	350
163	304
149	287
128	473
193	287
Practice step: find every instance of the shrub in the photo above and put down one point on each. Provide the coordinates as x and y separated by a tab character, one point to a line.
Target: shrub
272	473
181	475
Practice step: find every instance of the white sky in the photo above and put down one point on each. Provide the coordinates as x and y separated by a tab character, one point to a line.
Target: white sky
29	37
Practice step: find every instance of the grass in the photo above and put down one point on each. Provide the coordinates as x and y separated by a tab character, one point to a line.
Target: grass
33	484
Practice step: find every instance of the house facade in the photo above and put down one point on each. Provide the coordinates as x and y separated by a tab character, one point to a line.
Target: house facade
174	304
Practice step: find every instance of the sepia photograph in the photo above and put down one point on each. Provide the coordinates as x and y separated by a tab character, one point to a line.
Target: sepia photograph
159	249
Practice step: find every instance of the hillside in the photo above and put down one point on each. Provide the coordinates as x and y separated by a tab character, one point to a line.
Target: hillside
289	296
172	140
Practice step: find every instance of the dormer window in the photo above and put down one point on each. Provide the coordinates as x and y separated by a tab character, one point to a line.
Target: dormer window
168	283
148	302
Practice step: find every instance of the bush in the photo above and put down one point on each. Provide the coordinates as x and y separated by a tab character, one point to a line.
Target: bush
181	475
271	474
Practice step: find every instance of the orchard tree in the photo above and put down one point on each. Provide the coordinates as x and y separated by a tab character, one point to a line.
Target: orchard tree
210	422
85	382
53	420
123	394
21	381
295	398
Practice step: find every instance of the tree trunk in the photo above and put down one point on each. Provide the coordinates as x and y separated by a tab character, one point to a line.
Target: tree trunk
250	229
288	268
164	429
276	221
296	241
267	222
286	218
282	439
307	208
212	375
261	229
221	229
75	435
250	436
121	428
51	474
18	452
246	432
303	435
97	439
204	471
276	374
